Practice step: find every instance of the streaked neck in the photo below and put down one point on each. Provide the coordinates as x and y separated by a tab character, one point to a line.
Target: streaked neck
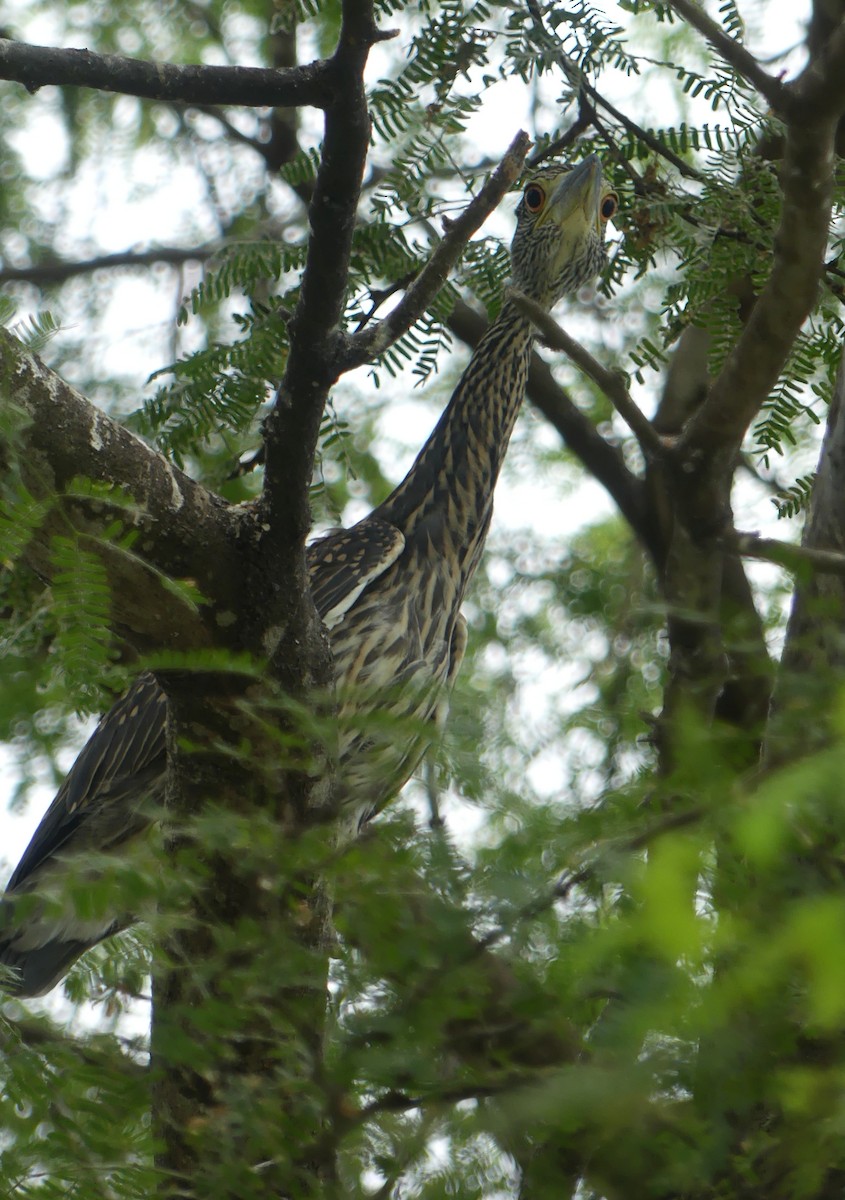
447	496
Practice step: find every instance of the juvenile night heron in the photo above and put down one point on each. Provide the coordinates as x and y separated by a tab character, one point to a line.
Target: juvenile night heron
389	591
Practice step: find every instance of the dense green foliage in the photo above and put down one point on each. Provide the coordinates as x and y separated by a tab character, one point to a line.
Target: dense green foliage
550	884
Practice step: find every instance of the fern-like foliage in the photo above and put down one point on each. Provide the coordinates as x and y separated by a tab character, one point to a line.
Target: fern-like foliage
220	389
788	401
82	606
241	269
34	331
21	515
795	499
486	269
37	330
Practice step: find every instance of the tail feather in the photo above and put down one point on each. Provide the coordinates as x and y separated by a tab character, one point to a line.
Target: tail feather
35	972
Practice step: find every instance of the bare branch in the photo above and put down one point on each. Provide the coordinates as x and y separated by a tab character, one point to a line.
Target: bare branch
796	559
52	271
733	53
610	382
372	342
38	66
314	360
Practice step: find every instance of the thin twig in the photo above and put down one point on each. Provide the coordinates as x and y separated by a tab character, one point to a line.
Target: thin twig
644	135
787	555
611	383
581	124
400	1102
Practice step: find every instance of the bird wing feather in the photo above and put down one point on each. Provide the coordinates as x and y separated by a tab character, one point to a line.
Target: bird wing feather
346	561
126	748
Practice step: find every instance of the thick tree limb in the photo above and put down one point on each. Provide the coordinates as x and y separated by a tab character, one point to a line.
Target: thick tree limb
700	483
753	367
743	700
39	66
191	1102
800	560
819	91
184	532
754	364
814	652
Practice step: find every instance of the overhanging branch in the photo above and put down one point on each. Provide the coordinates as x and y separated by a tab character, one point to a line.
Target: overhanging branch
40	66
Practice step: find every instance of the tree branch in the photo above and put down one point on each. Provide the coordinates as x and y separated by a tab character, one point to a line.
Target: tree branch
814	652
38	66
100	1052
733	53
754	364
797	559
819	91
370	343
184	532
52	271
611	382
315	357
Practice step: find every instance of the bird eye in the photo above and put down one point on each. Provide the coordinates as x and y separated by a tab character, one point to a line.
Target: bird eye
609	206
534	197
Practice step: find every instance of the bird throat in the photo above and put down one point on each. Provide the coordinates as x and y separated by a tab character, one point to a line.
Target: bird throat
445	502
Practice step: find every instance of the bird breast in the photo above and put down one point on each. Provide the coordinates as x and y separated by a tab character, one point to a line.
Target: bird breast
392	659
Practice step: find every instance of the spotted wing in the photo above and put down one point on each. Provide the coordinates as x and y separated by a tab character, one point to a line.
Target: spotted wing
122	761
346	561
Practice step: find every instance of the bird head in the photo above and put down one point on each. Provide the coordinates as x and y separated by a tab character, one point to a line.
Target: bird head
559	241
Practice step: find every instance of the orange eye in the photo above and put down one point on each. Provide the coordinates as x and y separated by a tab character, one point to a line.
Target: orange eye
534	197
609	206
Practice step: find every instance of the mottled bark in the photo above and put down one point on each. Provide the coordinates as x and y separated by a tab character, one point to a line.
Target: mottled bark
51	437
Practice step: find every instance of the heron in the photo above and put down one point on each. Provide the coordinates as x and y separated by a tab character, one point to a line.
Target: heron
388	589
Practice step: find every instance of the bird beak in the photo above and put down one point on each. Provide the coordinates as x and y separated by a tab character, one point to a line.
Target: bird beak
576	195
